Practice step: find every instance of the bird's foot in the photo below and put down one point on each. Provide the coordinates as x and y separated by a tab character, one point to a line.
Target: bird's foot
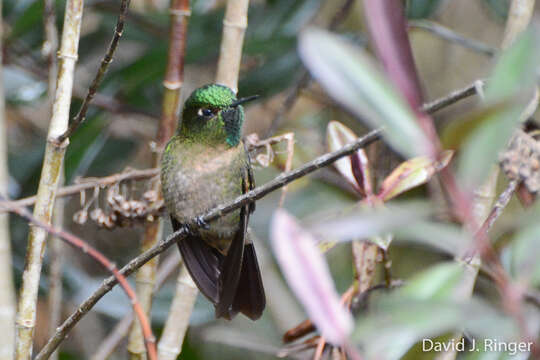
201	223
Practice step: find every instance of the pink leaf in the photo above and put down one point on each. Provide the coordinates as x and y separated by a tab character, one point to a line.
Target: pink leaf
307	274
355	168
388	30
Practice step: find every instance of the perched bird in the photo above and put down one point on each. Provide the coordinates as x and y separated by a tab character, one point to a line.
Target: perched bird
206	164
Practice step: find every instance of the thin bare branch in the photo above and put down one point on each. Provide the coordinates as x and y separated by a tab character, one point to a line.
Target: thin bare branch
87	183
213	214
452	36
452	98
303	80
107	59
499	206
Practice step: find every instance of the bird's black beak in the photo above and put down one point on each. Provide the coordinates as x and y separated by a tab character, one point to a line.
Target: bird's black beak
244	100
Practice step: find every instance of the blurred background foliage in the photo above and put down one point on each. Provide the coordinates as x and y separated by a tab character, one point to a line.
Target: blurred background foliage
120	129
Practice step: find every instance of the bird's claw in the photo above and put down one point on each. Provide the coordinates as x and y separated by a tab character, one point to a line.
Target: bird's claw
201	223
192	230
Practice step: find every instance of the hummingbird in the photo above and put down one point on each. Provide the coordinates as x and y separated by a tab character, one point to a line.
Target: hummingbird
206	164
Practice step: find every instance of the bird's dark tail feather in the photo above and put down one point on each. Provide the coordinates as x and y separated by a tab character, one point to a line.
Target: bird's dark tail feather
250	299
206	265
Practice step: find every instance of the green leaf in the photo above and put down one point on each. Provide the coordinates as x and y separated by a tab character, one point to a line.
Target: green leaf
516	68
448	238
370	223
351	78
513	78
439	282
524	254
31	17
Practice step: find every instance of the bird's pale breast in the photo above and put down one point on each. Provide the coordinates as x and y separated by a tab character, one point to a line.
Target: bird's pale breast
196	178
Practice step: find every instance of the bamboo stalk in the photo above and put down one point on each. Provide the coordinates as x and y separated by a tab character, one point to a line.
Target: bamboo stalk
7	295
177	322
55	246
50	46
172	84
230	55
144	281
52	165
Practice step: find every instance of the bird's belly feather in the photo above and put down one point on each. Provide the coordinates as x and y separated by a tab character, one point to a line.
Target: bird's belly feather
192	186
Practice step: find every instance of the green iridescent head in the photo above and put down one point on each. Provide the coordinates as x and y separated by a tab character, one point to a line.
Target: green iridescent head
213	114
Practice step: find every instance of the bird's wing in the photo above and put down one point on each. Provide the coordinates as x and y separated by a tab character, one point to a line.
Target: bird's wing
250	177
232	264
202	261
232	282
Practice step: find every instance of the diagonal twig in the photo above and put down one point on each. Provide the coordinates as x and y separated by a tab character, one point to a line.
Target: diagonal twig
452	36
452	98
107	59
499	206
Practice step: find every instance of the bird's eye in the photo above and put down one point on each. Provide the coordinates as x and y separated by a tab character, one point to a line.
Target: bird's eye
205	112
